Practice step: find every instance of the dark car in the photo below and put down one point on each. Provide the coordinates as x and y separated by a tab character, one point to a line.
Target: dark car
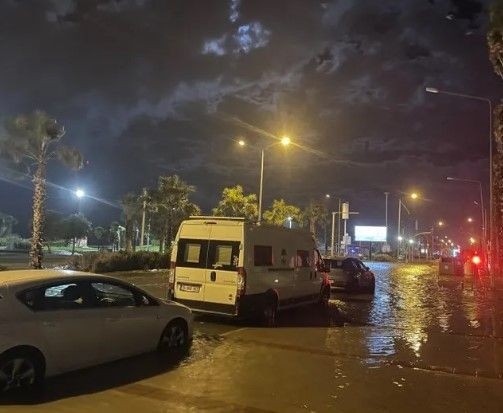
350	274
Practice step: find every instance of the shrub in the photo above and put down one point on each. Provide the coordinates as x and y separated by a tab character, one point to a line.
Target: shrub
120	261
383	258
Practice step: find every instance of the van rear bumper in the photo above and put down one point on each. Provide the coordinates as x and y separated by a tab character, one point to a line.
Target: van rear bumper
207	307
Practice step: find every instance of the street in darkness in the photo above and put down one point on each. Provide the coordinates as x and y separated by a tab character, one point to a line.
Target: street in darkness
422	342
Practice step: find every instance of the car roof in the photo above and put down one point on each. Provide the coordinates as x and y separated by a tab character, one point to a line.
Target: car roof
25	277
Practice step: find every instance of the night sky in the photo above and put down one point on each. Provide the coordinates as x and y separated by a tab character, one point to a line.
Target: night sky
151	87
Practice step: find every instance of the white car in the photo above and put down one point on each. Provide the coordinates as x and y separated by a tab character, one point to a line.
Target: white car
53	321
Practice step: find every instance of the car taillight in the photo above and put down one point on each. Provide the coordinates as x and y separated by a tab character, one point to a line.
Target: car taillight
241	281
476	260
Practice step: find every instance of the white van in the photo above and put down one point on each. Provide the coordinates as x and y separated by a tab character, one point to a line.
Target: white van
232	267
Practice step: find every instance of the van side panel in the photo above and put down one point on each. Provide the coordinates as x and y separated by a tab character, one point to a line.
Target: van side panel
280	274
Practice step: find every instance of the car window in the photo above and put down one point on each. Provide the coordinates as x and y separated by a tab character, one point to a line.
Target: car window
63	296
113	295
348	265
359	264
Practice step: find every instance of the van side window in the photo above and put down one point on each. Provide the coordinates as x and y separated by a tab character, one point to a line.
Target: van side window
303	258
192	253
223	255
262	255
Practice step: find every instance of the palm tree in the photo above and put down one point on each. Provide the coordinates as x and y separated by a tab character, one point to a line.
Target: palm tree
495	46
170	205
131	208
33	140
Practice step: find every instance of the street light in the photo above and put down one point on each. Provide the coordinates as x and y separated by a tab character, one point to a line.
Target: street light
411	241
79	193
482	214
413	196
469	219
491	195
285	141
440	223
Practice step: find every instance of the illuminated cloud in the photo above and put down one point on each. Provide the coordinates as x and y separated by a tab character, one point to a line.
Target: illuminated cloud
251	36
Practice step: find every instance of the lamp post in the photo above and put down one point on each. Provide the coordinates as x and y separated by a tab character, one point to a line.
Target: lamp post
414	196
482	220
491	195
285	141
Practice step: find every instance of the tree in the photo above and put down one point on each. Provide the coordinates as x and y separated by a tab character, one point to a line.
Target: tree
235	203
495	46
7	223
53	228
33	140
75	226
99	234
169	205
314	215
280	212
132	209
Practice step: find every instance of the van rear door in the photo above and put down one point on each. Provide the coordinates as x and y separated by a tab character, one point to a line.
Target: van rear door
191	270
222	273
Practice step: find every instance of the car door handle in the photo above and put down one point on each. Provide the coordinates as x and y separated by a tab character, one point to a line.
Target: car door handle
213	276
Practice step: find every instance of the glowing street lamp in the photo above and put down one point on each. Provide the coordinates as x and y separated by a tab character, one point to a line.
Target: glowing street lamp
472	240
285	141
411	241
414	195
469	219
440	223
400	238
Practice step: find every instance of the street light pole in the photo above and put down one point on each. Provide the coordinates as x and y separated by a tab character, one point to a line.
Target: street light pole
261	186
491	195
399	224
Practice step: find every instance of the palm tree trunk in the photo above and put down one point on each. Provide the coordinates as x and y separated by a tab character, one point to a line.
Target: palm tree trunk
36	252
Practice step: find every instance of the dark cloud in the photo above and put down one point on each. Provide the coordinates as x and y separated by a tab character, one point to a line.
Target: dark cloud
149	87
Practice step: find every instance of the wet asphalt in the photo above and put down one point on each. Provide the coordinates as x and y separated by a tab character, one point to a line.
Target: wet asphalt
421	343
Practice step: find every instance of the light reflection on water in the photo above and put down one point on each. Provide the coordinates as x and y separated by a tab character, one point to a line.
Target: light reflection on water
411	303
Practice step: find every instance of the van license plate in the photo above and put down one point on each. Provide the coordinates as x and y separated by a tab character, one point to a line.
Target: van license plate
189	288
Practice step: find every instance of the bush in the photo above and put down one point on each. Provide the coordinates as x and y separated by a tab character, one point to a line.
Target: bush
120	261
15	242
383	258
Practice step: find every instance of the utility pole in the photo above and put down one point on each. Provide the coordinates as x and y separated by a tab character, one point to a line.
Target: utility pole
332	241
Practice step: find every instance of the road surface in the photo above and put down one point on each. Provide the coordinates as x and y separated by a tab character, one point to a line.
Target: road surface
422	343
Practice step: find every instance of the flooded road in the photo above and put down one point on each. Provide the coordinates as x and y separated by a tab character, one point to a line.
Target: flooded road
422	343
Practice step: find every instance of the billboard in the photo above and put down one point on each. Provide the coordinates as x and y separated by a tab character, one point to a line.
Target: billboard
368	233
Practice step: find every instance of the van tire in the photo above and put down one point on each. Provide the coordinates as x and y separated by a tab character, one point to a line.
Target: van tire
324	297
270	312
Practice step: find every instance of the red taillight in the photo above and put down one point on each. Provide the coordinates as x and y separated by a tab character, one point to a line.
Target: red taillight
241	281
476	260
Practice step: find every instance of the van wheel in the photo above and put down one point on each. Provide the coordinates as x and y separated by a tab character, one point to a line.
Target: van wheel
269	313
20	370
324	297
